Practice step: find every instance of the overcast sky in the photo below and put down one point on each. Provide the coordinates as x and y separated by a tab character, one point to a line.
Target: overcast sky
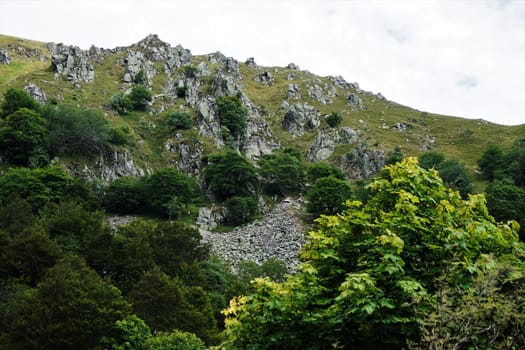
461	58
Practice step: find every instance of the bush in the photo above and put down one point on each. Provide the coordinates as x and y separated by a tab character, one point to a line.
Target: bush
181	91
241	210
334	119
75	131
318	170
431	159
140	97
394	156
230	174
328	196
282	173
21	134
178	120
232	115
455	176
121	136
140	78
14	99
125	195
121	103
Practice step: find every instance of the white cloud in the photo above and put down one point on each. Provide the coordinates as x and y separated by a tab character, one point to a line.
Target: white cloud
464	58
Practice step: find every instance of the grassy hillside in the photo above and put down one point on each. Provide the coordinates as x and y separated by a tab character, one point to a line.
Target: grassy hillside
460	138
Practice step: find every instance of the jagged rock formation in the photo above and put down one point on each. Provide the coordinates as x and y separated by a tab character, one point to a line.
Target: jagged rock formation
279	235
362	162
299	117
114	164
73	63
36	93
4	57
326	141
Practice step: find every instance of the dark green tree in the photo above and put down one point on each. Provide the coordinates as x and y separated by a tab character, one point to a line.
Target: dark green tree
317	170
515	162
121	103
178	121
241	209
163	185
15	99
15	214
37	186
394	156
229	174
28	255
76	131
125	195
21	135
334	119
282	173
71	308
232	115
431	159
140	97
455	176
328	196
491	162
506	201
73	226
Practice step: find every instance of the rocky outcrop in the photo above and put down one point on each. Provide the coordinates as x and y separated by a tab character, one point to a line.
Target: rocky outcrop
355	102
258	139
114	164
402	126
294	91
299	117
4	57
250	61
207	120
326	141
188	154
340	82
292	66
362	162
135	62
278	235
73	63
36	93
321	95
265	78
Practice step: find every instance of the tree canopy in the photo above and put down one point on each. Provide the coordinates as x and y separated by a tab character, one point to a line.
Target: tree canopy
374	276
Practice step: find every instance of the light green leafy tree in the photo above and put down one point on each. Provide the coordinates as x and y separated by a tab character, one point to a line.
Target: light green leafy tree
373	274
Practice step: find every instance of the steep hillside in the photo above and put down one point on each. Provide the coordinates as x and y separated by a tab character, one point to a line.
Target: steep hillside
286	107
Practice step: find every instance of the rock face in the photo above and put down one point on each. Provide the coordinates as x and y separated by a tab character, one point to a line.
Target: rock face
136	62
294	91
189	155
4	57
265	78
299	117
279	235
355	102
326	141
114	164
73	63
361	162
36	93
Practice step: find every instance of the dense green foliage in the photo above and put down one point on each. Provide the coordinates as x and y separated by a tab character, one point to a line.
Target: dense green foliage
230	174
140	97
318	170
375	276
15	99
394	156
334	119
178	120
232	116
282	172
327	196
71	308
22	134
75	131
121	103
241	210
